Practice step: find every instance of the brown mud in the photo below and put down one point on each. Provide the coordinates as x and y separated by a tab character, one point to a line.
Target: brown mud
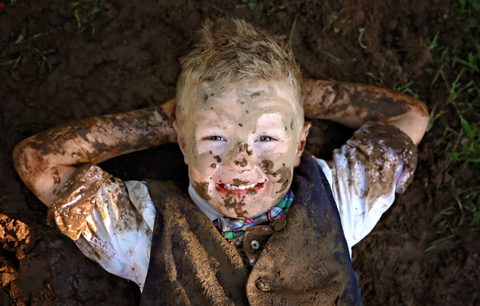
285	176
202	190
236	202
240	182
125	57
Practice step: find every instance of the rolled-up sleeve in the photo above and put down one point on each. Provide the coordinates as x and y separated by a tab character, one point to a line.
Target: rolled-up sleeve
365	173
112	223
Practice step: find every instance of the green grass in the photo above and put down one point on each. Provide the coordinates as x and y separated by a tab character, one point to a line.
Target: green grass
250	4
289	42
456	130
84	12
406	89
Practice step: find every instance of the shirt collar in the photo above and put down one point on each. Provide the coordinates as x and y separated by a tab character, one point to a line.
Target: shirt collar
208	211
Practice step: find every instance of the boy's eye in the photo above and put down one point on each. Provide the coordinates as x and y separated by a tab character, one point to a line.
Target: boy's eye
216	138
265	138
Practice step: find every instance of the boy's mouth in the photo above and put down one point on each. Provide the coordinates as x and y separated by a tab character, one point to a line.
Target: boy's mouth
239	188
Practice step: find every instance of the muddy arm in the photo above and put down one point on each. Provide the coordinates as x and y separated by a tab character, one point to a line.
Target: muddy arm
354	104
46	160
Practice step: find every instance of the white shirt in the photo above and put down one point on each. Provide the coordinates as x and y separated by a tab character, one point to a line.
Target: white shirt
363	175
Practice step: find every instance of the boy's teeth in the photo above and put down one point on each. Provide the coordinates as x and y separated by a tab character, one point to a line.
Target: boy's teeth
242	187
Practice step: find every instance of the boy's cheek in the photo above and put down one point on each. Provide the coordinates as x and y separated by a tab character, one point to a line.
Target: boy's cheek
203	167
278	149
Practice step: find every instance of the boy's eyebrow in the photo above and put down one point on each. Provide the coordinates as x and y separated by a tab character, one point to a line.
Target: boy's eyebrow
257	93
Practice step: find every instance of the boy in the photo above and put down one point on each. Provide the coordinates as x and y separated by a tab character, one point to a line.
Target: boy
252	231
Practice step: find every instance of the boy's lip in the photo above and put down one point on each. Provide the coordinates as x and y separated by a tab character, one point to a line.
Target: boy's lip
239	189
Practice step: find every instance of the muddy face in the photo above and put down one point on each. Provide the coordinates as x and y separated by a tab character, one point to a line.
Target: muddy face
238	146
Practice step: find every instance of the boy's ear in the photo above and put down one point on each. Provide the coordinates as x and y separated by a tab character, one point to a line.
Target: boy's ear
181	141
302	140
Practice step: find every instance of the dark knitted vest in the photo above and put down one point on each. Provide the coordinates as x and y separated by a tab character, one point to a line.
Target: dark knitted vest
306	263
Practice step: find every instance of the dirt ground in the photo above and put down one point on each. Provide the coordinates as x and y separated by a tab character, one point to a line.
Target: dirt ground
124	56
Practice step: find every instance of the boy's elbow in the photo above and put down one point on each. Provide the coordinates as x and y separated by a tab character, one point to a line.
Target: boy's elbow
28	164
421	120
21	162
412	123
422	127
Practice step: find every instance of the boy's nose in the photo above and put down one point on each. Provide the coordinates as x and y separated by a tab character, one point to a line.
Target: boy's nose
239	159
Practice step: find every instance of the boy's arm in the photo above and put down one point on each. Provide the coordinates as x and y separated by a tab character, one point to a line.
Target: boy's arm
354	104
46	160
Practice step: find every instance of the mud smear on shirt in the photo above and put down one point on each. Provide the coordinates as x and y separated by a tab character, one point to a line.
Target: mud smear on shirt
81	186
76	200
373	153
202	190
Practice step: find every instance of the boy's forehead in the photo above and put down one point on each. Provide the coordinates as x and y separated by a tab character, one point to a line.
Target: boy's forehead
242	106
261	96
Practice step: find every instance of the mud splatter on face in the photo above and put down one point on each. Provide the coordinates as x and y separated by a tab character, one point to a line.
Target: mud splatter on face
267	166
242	115
202	190
284	172
239	182
243	147
242	163
285	176
236	204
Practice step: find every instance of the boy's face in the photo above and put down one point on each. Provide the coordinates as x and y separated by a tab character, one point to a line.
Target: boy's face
241	146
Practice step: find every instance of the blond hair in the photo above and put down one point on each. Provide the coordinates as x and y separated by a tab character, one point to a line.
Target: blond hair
232	53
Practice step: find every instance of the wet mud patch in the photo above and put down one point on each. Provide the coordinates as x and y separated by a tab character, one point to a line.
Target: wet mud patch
242	163
239	182
202	190
268	167
235	202
283	172
243	147
285	178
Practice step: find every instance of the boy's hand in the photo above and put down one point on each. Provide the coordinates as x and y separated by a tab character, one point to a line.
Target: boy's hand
46	160
354	104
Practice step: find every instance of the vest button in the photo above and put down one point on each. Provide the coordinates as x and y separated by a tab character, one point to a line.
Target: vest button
264	285
254	244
